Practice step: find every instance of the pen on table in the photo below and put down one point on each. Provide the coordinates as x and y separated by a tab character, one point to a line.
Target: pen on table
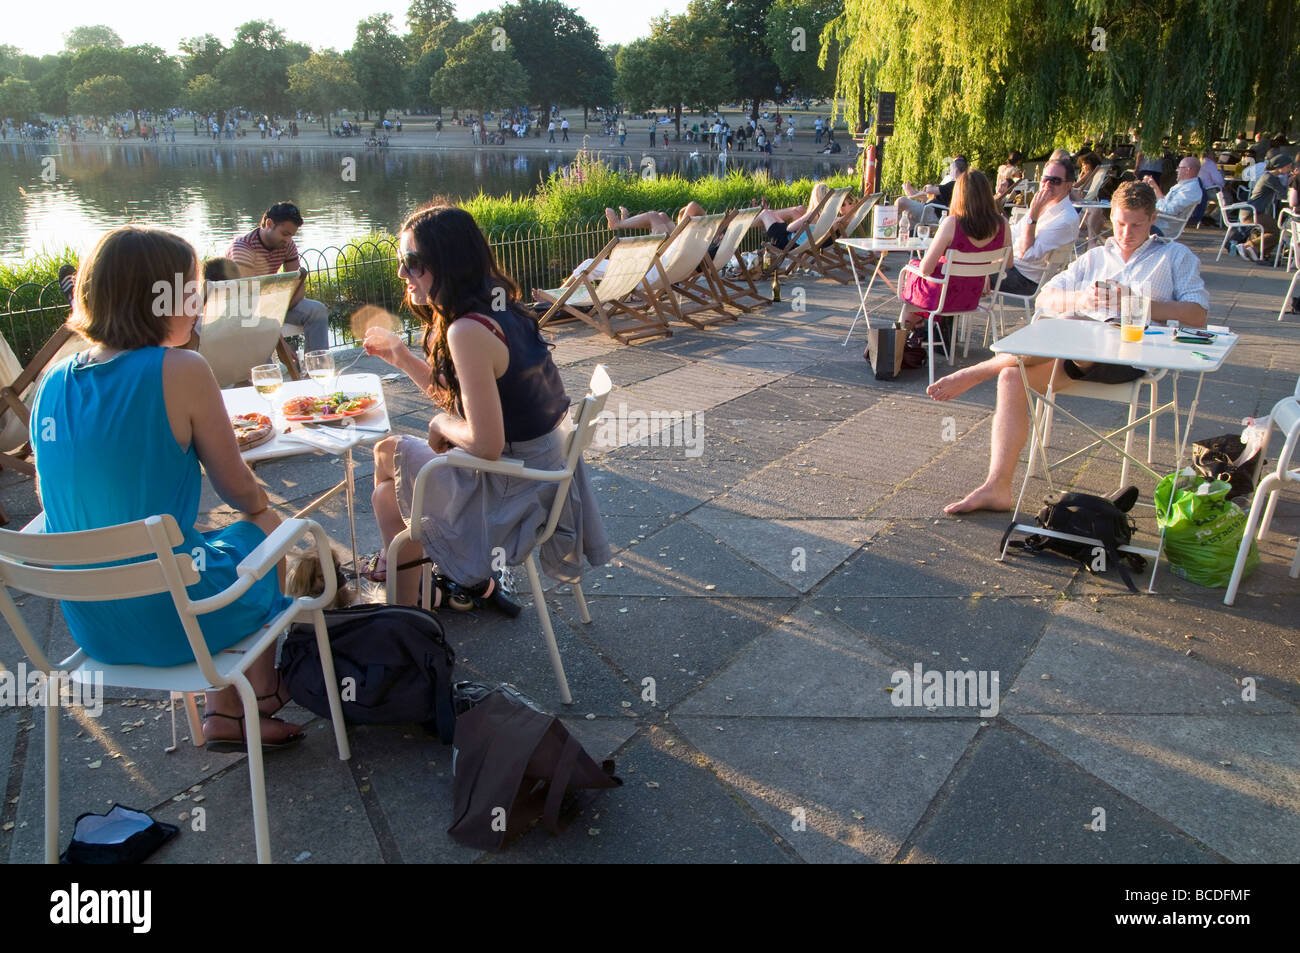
1199	354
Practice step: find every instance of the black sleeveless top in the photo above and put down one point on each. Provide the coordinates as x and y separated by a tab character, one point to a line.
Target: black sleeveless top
532	395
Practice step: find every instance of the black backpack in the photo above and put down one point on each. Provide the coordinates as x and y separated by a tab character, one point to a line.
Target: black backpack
397	658
1082	514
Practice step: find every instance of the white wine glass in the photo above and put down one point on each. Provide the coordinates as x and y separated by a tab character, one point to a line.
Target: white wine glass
320	368
267	379
923	232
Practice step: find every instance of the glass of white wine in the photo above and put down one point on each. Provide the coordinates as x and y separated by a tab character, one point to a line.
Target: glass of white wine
923	232
320	368
267	379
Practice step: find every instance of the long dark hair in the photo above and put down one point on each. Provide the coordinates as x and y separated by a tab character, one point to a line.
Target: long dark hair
972	203
466	279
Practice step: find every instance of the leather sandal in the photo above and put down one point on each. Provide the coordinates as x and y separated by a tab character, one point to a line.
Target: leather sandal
283	699
240	745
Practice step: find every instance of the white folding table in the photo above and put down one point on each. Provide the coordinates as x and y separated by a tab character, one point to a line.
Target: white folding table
293	439
881	247
1098	342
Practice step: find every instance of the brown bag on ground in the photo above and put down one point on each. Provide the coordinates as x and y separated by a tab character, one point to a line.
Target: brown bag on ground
513	763
885	351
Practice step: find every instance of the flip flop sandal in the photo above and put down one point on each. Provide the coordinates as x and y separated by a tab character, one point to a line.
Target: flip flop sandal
240	745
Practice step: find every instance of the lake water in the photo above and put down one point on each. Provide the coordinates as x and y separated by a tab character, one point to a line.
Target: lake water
210	194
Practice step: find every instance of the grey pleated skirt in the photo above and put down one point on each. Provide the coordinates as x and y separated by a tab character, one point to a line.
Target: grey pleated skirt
470	516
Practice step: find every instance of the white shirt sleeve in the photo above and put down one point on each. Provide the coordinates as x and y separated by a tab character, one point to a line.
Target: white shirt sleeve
1051	232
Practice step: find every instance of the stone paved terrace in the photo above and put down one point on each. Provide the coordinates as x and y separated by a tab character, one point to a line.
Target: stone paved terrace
771	682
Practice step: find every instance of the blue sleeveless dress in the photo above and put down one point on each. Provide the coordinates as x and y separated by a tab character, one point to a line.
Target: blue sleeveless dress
106	454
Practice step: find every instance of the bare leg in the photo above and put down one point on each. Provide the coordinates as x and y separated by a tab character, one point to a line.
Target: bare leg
657	222
769	217
958	382
691	209
1010	430
391	522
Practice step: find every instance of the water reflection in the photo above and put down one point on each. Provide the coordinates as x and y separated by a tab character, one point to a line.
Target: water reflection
211	194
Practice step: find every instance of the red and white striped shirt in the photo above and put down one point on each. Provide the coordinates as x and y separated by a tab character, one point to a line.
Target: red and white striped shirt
249	252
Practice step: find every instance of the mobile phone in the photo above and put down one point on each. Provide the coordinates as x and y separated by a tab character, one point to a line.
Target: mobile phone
1193	336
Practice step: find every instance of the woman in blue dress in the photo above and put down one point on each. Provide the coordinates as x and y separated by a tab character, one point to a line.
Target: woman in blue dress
120	432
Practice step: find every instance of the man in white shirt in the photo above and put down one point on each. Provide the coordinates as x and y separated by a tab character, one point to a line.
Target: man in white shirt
1211	178
1052	222
1184	195
1132	259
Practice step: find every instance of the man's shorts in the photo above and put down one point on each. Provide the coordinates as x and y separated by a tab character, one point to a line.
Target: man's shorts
1103	373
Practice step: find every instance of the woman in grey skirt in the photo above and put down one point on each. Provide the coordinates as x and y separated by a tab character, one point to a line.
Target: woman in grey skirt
488	370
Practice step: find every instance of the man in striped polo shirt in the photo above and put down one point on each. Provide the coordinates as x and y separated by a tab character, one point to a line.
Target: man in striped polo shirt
269	248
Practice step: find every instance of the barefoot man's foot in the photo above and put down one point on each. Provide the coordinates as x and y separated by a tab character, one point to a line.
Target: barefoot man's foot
611	219
982	498
956	383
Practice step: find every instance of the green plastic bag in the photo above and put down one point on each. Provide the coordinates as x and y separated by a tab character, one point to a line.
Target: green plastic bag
1203	531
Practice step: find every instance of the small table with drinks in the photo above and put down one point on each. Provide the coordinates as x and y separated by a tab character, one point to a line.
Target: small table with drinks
1092	339
881	247
326	429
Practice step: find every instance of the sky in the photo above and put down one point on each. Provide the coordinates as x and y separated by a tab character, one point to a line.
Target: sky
321	23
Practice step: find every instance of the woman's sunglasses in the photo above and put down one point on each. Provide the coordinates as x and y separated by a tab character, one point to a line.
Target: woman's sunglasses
413	265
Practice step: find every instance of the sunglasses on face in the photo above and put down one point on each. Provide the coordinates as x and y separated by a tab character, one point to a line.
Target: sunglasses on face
412	263
1052	180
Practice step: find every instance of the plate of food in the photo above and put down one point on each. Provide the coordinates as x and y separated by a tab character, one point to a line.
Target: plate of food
336	406
251	430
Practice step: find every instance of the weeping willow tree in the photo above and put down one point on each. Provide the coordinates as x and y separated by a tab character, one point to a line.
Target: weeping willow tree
986	77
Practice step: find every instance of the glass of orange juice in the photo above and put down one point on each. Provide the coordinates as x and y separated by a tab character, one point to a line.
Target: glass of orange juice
1135	310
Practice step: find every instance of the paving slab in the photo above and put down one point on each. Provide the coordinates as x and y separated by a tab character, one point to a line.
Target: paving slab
800	553
812	772
1012	801
1229	782
784	492
947	632
1086	662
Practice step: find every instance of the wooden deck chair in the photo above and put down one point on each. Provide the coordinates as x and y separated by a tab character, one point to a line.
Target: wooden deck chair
18	391
808	253
612	300
835	258
678	265
242	321
734	284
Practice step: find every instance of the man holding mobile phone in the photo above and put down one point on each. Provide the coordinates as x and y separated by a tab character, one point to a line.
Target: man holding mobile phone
1133	259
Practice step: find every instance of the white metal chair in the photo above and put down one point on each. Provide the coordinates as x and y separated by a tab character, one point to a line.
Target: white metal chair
48	565
1286	417
242	322
1172	226
1057	260
990	264
1288	238
1213	194
592	406
1294	287
1235	216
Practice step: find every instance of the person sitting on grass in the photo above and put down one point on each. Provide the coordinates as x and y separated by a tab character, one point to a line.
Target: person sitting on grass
151	418
1166	272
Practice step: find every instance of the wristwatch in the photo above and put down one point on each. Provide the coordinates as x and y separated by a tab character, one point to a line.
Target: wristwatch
1032	221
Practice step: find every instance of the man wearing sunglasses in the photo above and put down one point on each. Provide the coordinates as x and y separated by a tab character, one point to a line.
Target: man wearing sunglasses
1052	222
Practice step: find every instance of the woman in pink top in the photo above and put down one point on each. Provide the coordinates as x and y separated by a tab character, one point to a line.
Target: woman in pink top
974	224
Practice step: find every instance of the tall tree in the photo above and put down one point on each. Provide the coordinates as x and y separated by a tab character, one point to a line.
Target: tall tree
50	77
422	18
481	72
982	79
794	37
376	54
256	67
684	62
207	97
201	54
324	82
18	100
744	29
101	96
433	57
551	42
84	37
